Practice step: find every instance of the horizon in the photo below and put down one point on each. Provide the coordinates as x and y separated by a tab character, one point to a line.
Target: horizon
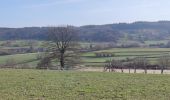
93	24
24	13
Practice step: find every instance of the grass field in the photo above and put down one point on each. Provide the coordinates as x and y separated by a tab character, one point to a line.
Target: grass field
19	58
55	85
122	53
156	42
91	60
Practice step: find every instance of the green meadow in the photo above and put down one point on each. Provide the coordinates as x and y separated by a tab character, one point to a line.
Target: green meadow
122	53
91	60
73	85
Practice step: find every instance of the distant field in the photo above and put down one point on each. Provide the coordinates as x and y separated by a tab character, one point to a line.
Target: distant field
91	60
156	42
18	57
21	43
29	58
69	85
122	53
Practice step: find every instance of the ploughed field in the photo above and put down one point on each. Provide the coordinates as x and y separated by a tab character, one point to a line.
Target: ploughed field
74	85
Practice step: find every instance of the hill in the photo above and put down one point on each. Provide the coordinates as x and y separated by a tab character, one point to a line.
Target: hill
138	31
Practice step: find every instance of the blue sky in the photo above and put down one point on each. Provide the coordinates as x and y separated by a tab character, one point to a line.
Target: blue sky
25	13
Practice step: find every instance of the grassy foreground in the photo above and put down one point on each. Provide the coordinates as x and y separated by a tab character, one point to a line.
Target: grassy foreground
55	85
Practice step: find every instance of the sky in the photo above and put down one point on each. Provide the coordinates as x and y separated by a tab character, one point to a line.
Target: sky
29	13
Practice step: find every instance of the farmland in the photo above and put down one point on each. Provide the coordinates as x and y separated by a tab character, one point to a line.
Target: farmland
89	58
122	53
72	85
84	50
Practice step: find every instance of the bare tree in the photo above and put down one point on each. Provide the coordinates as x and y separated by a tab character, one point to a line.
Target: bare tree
62	39
114	64
140	62
135	64
44	63
164	62
108	65
128	65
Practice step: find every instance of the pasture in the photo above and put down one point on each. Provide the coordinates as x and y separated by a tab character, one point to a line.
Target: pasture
122	53
89	58
74	85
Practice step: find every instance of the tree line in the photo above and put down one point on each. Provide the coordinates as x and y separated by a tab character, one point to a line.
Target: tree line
137	31
163	63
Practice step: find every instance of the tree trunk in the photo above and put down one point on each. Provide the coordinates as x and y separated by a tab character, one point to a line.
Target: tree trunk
104	68
122	70
162	70
129	70
145	70
134	69
109	69
62	64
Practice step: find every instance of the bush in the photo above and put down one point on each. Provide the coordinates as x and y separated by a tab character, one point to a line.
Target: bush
44	63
